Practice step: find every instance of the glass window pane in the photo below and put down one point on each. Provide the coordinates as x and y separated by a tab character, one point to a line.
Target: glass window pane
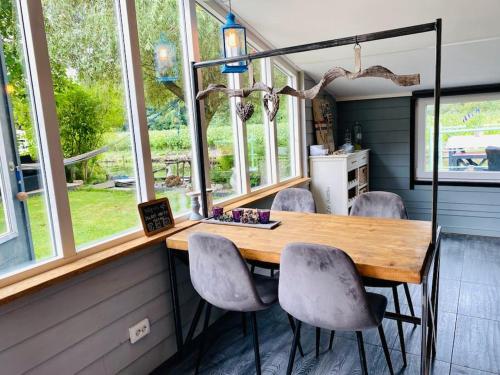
257	143
169	132
284	123
34	213
220	133
469	134
85	59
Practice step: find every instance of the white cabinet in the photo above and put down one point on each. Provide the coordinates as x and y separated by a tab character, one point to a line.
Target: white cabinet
336	181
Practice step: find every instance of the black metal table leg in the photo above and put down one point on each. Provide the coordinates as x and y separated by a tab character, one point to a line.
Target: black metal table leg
430	307
174	293
424	370
435	296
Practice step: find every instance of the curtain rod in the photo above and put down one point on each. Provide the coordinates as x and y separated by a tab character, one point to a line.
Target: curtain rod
386	34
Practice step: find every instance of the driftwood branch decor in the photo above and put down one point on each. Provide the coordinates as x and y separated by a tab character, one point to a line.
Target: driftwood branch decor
271	96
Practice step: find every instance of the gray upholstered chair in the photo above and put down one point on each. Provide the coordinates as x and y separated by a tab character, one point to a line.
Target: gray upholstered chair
319	285
493	155
387	205
294	199
221	277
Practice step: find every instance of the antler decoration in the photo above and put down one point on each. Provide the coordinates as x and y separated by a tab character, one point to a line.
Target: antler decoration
376	71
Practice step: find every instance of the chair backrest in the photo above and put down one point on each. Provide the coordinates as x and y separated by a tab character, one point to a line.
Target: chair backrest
219	273
320	285
493	155
379	204
294	199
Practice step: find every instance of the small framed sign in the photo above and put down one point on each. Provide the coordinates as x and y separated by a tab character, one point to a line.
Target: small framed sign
156	216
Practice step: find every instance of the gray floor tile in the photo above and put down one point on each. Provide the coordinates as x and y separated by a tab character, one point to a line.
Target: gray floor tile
477	344
452	257
481	301
413	365
446	331
459	370
449	291
482	271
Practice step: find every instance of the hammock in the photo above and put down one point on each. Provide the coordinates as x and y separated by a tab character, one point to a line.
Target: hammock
74	159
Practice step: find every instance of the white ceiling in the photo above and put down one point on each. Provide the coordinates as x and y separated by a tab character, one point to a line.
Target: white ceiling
471	39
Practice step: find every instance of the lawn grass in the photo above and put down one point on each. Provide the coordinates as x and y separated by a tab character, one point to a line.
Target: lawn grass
96	215
3	224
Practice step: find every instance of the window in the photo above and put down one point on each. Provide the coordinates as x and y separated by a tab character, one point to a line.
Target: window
257	130
27	222
168	127
469	145
285	126
221	134
95	131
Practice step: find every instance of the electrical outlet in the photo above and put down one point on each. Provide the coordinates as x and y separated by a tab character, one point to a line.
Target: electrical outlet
139	330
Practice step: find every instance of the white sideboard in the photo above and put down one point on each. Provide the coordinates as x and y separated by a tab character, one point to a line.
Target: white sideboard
336	180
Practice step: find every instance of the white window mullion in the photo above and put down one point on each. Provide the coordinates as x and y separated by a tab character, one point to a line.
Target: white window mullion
272	127
240	139
295	134
191	50
302	130
51	156
134	89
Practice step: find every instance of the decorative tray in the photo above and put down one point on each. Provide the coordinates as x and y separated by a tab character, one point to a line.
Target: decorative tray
272	223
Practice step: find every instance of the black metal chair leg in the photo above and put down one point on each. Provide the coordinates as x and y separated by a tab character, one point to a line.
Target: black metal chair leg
292	324
410	302
194	323
296	338
318	338
272	272
244	323
330	345
400	324
362	355
255	342
252	269
203	336
386	349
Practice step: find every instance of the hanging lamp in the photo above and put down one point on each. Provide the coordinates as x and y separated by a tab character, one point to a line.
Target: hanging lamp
234	43
165	55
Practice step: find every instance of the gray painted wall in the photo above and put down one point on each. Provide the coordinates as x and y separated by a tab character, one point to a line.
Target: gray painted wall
386	131
81	325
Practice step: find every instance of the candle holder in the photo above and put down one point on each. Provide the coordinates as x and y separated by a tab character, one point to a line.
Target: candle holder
264	216
237	214
217	212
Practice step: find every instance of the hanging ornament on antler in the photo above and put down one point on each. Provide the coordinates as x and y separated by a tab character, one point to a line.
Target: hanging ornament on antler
271	103
244	111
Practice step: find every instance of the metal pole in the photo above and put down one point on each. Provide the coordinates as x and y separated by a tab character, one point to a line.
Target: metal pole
199	142
437	102
393	33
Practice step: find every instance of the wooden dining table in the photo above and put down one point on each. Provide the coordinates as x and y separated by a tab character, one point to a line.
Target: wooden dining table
388	249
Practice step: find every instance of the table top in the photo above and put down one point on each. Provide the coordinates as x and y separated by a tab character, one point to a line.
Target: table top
381	248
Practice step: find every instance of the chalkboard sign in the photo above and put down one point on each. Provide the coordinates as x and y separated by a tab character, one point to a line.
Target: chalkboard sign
156	216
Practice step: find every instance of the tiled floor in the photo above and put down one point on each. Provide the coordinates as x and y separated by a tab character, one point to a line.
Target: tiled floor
468	329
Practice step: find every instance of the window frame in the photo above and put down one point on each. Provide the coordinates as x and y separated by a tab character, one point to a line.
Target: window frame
417	141
39	76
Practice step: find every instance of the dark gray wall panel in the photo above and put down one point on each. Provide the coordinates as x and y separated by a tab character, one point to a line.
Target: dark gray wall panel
386	131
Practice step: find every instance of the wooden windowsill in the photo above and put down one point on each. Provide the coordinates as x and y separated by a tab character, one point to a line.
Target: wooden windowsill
45	279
